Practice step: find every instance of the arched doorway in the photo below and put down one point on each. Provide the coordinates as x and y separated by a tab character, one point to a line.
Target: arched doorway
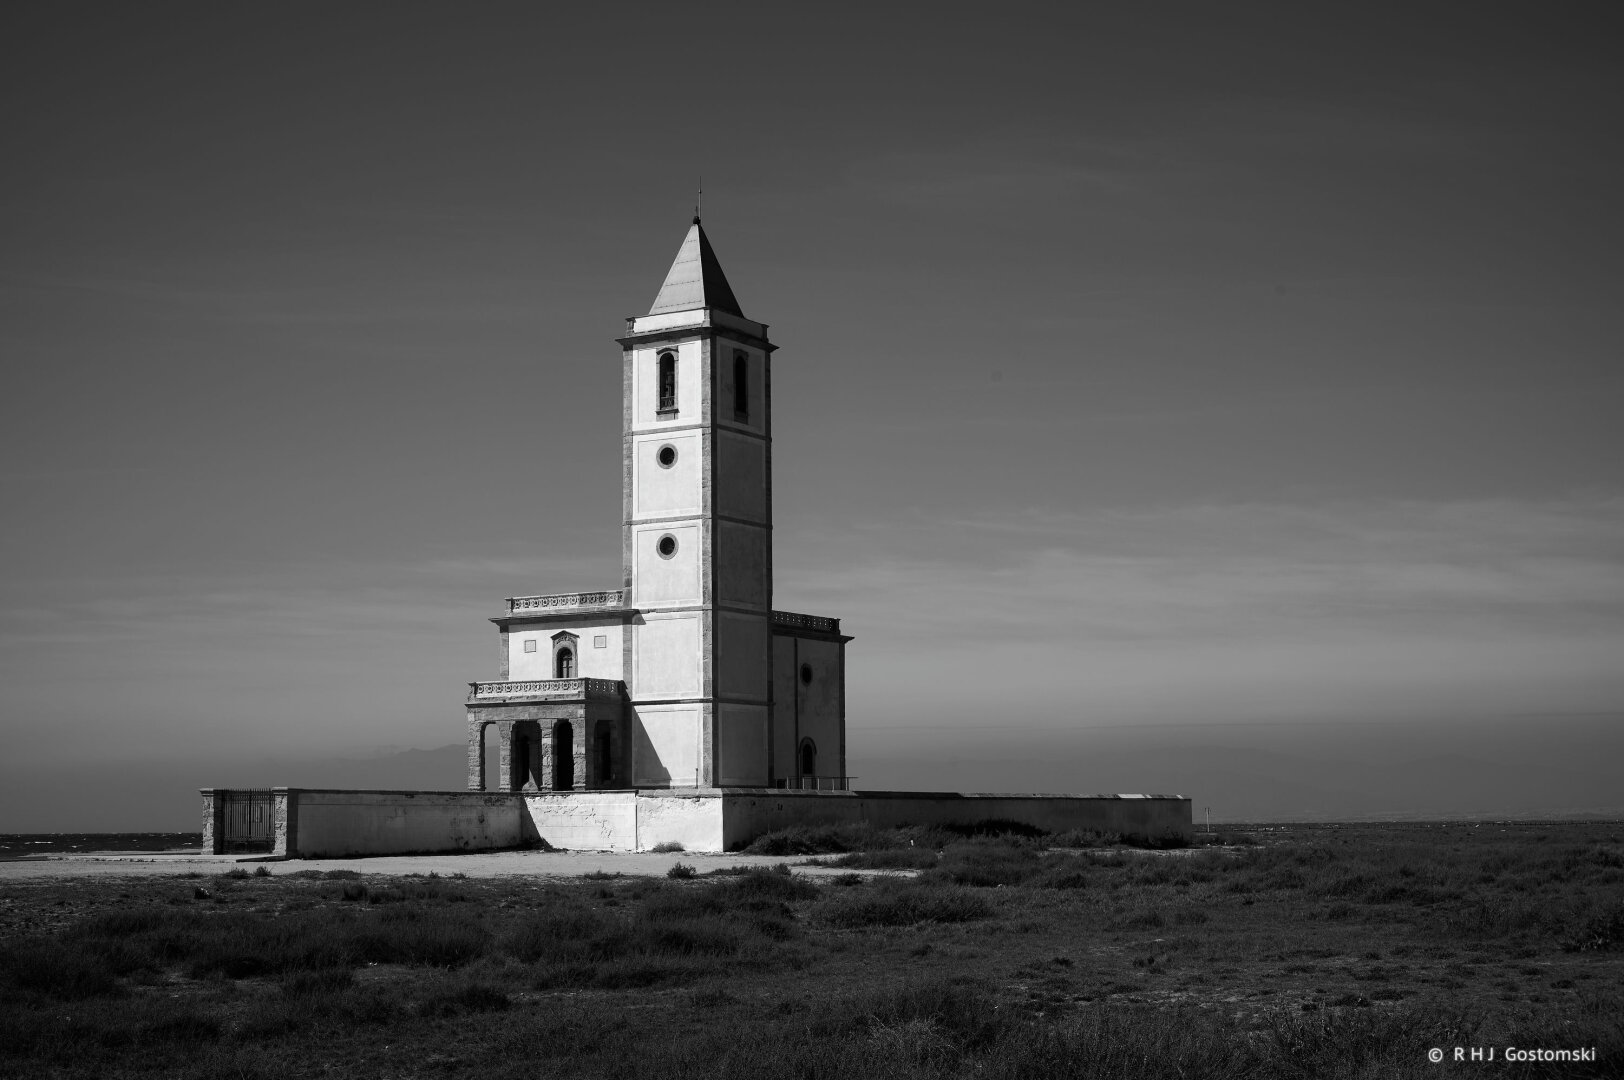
603	756
520	759
809	758
525	764
563	756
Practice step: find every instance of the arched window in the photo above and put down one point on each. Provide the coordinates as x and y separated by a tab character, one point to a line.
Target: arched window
565	645
809	758
741	386
668	383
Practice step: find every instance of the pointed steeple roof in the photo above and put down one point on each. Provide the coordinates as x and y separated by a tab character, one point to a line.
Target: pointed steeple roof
696	279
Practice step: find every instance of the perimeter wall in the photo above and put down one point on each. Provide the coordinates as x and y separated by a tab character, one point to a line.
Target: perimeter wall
323	823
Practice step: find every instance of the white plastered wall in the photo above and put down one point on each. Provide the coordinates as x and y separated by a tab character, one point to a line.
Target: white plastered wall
741	655
740	479
658	491
755	386
585	820
743	738
741	564
665	745
645	384
661	580
819	702
784	706
666	655
338	823
694	821
626	821
592	661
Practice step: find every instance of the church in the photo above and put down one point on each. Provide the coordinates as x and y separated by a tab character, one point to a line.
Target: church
679	709
684	676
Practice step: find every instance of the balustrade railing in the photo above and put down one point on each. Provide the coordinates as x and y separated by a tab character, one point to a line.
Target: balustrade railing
528	688
806	622
817	783
570	601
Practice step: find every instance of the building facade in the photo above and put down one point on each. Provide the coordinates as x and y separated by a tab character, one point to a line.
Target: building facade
685	676
680	709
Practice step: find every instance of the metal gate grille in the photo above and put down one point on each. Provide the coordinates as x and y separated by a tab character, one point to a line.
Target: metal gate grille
244	817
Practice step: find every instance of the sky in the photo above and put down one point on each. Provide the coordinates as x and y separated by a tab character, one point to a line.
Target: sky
1181	397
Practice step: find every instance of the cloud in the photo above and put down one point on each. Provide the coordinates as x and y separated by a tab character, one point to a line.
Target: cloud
1202	613
288	658
1223	611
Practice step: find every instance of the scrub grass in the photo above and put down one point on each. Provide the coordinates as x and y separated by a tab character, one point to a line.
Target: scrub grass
1303	952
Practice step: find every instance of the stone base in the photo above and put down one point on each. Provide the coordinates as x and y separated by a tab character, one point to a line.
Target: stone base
313	823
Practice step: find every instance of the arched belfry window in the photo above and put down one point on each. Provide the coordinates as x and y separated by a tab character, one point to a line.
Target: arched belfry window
667	399
564	655
741	386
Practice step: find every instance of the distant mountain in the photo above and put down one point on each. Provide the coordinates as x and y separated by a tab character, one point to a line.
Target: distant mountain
161	796
1333	779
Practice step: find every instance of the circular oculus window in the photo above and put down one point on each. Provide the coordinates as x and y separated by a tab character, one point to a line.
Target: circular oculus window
667	546
806	674
666	456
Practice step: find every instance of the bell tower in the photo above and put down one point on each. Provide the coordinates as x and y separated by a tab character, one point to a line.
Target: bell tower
697	535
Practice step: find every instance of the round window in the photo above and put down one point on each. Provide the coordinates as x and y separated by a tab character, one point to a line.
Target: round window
667	456
667	546
806	674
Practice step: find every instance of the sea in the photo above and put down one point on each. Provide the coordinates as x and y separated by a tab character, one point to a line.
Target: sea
14	846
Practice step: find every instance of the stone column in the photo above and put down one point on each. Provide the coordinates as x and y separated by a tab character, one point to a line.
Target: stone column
285	815
476	755
581	749
211	837
504	755
544	781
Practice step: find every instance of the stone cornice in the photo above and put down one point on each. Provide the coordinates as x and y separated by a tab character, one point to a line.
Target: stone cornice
572	606
664	519
604	616
695	333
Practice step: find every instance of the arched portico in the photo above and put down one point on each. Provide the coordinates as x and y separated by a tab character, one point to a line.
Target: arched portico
545	731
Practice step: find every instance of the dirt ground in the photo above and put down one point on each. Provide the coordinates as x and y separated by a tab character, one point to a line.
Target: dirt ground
539	864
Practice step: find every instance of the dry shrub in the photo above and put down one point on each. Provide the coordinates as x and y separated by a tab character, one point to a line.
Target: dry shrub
906	858
463	997
906	903
46	968
816	840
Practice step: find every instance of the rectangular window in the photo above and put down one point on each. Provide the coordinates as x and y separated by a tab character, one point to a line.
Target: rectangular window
601	641
529	644
741	386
